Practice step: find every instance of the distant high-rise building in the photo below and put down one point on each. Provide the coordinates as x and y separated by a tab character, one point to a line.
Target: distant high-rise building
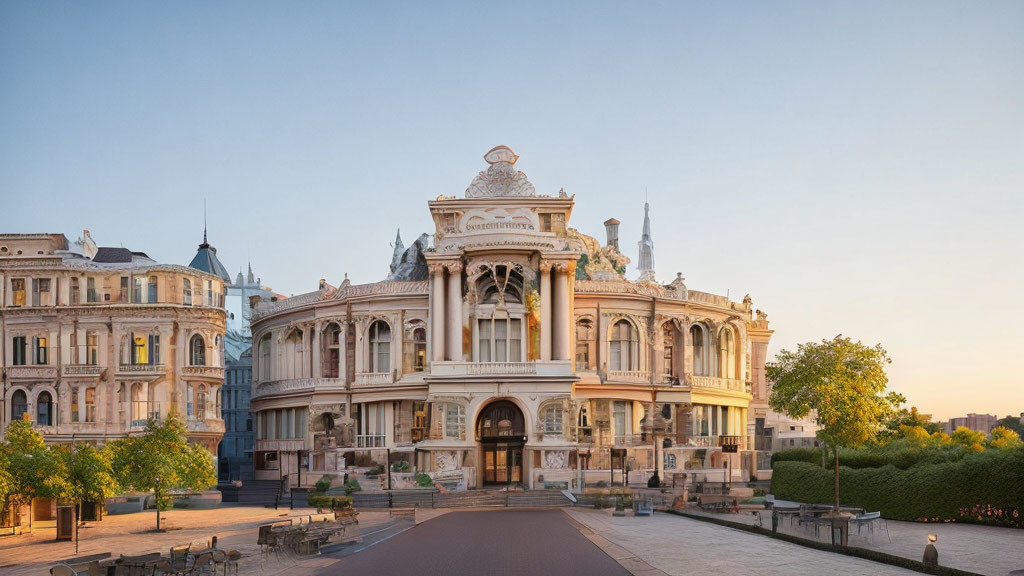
646	262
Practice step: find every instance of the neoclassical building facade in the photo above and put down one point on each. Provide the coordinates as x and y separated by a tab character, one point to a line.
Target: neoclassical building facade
97	340
510	349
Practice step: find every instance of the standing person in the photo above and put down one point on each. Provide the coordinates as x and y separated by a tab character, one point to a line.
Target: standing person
931	555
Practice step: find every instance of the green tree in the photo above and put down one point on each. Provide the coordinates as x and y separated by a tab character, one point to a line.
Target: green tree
34	470
973	440
1013	423
162	460
1002	438
844	382
90	475
894	427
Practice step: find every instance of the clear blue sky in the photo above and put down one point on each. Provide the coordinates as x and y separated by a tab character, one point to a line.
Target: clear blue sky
856	167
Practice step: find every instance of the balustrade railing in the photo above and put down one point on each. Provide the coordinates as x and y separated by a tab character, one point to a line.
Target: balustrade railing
635	376
135	368
82	370
501	368
370	440
374	379
205	371
715	383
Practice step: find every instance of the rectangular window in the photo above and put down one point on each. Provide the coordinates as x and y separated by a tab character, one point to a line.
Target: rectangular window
123	297
18	290
454	421
152	290
140	349
42	350
500	340
137	292
90	404
154	348
20	349
74	404
515	352
209	293
92	349
73	296
90	290
620	419
484	334
41	292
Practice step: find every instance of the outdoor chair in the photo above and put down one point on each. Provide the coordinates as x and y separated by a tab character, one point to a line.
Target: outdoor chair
233	556
869	519
203	564
178	562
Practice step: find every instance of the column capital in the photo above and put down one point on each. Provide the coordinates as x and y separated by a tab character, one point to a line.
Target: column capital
436	267
454	266
546	265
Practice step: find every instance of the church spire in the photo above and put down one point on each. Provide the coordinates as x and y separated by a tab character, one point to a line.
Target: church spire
399	250
646	263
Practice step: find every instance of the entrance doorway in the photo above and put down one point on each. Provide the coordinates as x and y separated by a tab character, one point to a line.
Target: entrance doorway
503	463
501	431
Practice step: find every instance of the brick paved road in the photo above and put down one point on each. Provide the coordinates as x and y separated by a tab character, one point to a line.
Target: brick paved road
499	542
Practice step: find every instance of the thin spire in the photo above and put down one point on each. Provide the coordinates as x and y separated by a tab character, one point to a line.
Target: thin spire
204	222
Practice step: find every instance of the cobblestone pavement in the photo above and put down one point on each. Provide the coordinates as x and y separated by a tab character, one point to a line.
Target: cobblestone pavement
983	549
676	545
234	525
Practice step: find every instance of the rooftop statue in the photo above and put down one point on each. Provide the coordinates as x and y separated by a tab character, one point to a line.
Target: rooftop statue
501	178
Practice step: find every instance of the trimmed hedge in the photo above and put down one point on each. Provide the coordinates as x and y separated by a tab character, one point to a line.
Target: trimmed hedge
809	455
982	488
322	502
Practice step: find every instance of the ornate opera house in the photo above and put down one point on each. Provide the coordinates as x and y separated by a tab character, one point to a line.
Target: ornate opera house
508	349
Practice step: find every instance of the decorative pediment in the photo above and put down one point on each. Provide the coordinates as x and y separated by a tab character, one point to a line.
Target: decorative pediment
501	178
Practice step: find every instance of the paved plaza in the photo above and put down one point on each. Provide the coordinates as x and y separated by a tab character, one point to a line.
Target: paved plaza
509	542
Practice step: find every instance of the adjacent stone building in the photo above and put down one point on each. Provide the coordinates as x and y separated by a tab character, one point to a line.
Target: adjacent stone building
509	350
98	339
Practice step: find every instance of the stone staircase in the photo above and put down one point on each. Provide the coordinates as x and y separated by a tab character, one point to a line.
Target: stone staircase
461	499
258	492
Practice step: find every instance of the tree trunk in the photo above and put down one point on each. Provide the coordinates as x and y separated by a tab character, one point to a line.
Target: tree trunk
156	496
836	450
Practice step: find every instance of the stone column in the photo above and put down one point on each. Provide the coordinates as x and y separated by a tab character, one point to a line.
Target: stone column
437	313
545	311
317	367
560	315
453	312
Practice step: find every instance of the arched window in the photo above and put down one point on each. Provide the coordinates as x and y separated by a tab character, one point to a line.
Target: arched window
264	365
584	344
186	288
380	347
551	417
668	359
727	353
44	409
623	351
201	401
700	363
331	353
19	405
197	351
415	348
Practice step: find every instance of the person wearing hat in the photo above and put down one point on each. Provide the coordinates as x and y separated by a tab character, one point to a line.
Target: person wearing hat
931	555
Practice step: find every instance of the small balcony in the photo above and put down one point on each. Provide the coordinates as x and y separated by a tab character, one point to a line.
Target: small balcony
370	440
373	379
207	425
31	372
212	373
715	383
142	371
628	376
549	368
92	371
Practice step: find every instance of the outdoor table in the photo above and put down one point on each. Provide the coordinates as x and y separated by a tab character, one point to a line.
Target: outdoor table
132	565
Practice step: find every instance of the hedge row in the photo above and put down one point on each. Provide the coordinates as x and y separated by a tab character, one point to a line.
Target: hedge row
899	454
983	488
